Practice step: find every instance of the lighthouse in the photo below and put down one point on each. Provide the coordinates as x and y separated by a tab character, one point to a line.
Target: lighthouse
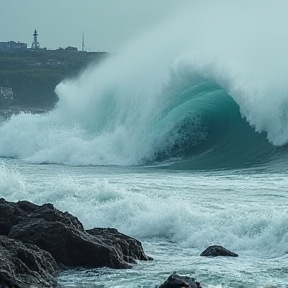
35	44
83	44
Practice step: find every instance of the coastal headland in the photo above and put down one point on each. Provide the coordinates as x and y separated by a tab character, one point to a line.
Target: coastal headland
28	78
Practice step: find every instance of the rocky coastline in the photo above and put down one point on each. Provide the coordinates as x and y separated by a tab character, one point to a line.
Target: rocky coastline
39	242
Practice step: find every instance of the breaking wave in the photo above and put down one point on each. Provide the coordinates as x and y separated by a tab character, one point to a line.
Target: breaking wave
214	97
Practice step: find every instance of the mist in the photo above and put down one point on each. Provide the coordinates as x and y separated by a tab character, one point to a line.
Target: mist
116	113
238	44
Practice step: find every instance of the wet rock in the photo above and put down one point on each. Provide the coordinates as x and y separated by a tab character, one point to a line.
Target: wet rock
62	235
24	265
217	250
13	213
129	247
70	247
177	281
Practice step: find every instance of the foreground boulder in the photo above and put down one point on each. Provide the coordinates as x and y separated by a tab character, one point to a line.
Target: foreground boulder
75	248
177	281
62	236
217	250
23	265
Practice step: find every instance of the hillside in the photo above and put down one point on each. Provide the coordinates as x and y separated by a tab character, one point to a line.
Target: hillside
33	75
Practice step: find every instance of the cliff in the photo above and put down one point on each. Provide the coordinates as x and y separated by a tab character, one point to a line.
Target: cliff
33	75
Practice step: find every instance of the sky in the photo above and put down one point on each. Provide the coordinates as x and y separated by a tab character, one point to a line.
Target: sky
107	24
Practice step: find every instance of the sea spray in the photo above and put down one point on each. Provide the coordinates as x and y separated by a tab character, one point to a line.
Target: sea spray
12	182
111	114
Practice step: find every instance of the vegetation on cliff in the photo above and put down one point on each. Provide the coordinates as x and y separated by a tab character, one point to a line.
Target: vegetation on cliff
33	75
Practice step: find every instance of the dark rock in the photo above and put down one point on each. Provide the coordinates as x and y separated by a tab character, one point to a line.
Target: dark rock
23	265
129	247
63	236
217	250
177	281
13	213
70	247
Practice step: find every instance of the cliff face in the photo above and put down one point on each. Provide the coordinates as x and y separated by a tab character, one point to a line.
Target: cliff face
33	75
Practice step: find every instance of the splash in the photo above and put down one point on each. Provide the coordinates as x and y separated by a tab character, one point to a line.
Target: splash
111	114
11	180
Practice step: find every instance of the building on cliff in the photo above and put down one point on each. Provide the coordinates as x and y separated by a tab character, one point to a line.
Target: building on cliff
12	46
18	46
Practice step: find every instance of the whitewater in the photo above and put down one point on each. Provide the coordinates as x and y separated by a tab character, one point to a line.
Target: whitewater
180	140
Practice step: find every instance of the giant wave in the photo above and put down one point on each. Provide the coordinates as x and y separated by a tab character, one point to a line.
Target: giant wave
211	92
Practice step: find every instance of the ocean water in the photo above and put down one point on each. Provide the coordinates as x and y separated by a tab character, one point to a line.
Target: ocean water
179	140
175	214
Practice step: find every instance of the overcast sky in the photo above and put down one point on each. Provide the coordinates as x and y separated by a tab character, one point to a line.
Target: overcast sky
106	24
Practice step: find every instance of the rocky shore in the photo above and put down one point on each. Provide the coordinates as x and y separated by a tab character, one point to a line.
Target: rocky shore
38	242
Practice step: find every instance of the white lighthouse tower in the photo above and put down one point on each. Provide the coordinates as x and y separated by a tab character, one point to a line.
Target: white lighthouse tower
83	43
35	44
